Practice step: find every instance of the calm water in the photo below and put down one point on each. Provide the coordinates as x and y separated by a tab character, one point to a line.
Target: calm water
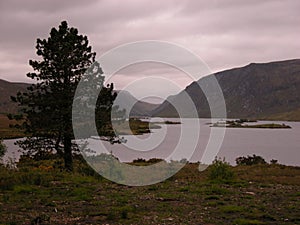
280	144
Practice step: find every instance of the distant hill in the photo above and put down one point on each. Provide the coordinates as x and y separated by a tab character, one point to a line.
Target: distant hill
258	90
134	107
8	89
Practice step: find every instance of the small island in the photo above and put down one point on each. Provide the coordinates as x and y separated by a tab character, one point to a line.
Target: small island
241	124
171	122
168	122
136	127
139	127
270	126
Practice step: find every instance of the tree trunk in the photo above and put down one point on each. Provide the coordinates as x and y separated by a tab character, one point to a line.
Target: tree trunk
58	150
68	153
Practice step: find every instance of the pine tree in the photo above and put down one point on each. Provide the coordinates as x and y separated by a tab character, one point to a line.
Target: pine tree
46	108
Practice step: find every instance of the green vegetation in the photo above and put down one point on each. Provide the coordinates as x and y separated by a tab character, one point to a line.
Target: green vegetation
136	127
220	171
144	162
41	192
171	122
252	160
168	122
245	121
268	126
7	131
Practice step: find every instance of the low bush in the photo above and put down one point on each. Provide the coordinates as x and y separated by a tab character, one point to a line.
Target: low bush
220	170
250	160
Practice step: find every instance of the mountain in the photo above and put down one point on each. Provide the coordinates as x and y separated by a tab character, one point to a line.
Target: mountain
8	89
258	90
134	107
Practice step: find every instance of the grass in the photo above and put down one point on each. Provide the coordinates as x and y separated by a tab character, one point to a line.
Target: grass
247	222
6	132
41	193
231	209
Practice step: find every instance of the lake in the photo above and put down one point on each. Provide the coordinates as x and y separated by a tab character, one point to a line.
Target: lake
280	144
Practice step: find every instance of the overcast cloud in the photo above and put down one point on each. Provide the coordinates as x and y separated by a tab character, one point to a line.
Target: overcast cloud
223	33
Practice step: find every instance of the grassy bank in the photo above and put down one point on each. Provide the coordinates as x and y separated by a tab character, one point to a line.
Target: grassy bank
136	127
7	132
41	193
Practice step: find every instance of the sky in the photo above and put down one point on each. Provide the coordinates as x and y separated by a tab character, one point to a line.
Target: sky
223	33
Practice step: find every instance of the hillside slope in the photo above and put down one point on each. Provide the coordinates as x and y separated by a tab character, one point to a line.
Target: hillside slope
8	89
258	90
134	107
